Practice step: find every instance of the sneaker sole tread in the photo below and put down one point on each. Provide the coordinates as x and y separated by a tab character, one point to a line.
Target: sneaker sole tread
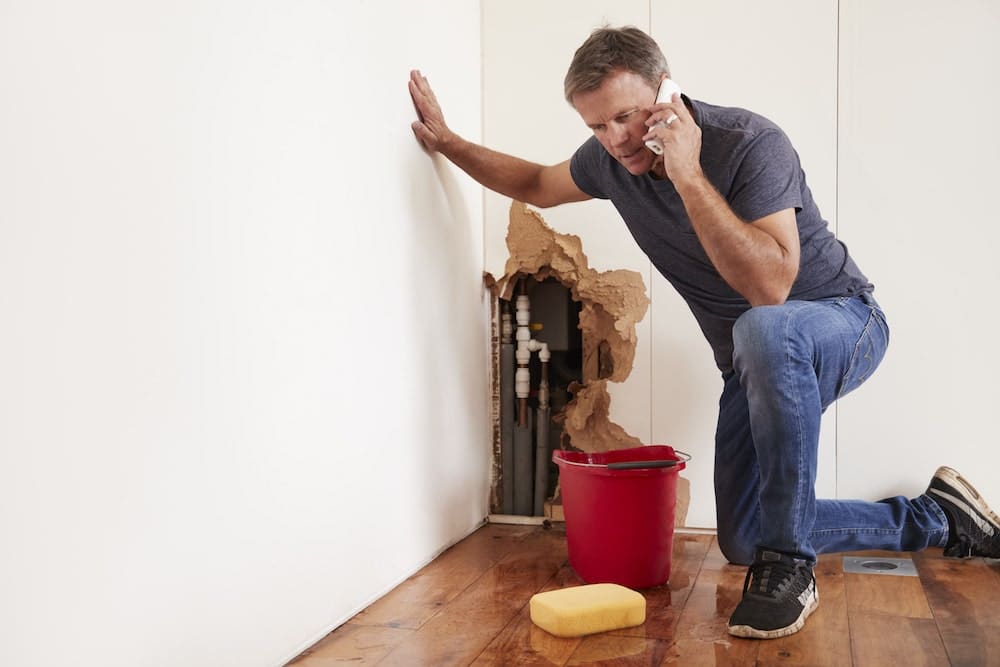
749	632
956	480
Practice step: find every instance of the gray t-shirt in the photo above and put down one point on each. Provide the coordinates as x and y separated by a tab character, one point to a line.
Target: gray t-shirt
752	164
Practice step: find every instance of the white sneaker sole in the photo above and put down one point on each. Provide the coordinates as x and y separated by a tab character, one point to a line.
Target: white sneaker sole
970	497
754	633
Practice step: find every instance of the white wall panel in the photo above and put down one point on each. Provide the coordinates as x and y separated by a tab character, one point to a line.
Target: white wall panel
919	165
243	366
777	58
527	47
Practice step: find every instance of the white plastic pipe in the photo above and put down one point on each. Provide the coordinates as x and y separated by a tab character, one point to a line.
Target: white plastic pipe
525	346
524	499
523	354
522	383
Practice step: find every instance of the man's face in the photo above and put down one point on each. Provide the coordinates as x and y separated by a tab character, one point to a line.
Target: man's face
616	112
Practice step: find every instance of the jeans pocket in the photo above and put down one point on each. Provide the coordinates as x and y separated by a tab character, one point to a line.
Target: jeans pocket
868	353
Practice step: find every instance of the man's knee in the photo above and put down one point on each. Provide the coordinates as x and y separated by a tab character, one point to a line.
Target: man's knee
758	335
761	325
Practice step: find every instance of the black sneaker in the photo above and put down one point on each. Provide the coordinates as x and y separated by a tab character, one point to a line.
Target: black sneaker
973	528
779	593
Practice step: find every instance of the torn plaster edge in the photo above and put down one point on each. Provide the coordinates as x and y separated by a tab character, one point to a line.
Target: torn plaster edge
588	420
495	500
612	303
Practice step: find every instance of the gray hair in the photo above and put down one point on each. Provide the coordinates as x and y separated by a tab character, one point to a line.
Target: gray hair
610	49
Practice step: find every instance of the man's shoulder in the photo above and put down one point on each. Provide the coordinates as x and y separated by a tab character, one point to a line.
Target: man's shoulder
589	168
737	121
731	135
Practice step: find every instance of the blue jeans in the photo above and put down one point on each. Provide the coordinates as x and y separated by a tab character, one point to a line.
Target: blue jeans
790	363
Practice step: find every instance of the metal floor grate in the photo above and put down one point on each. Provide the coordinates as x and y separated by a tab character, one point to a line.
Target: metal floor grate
897	567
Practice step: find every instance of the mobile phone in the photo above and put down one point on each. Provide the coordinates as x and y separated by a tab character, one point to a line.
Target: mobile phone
665	93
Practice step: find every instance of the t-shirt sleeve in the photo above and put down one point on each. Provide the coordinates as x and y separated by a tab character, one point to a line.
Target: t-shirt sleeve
768	179
585	168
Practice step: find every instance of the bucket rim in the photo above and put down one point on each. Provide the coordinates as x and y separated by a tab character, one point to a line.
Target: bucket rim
676	462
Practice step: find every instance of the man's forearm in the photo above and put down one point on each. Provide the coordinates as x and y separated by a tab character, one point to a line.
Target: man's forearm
752	261
516	178
511	176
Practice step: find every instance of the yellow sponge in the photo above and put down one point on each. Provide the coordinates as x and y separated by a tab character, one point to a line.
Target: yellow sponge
584	610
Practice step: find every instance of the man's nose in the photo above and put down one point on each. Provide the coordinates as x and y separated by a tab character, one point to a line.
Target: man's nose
619	134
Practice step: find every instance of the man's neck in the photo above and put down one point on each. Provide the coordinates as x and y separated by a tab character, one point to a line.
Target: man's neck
658	171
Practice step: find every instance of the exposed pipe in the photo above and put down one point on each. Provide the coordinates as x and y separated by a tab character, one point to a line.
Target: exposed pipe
530	488
523	468
542	434
507	412
523	477
522	380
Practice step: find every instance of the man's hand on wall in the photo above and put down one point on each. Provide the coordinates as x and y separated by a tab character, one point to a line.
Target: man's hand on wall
430	129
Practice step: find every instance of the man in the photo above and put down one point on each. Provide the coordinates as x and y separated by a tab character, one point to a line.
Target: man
726	216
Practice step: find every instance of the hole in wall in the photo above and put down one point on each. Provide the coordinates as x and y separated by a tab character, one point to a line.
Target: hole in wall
606	306
532	410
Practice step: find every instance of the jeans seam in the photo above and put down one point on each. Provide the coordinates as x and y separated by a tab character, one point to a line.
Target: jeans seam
797	510
939	513
861	531
854	355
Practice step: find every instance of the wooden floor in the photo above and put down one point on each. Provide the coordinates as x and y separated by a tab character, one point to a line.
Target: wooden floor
469	606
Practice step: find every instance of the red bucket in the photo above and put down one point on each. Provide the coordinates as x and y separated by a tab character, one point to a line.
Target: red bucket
619	510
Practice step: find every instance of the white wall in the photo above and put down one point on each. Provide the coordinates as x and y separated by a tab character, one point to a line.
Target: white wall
905	181
226	421
919	168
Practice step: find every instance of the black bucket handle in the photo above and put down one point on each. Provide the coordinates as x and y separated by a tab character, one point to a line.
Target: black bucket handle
661	463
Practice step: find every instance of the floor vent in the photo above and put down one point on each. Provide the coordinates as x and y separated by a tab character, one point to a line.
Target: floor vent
897	567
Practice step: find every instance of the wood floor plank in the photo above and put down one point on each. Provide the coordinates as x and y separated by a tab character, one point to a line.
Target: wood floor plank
964	596
886	594
416	600
523	643
468	624
664	603
470	607
354	644
825	641
881	640
701	636
617	651
894	596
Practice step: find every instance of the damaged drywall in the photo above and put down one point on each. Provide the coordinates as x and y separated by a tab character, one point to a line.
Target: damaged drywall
612	303
588	421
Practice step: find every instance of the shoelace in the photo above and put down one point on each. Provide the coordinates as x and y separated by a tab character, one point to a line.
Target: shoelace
768	579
